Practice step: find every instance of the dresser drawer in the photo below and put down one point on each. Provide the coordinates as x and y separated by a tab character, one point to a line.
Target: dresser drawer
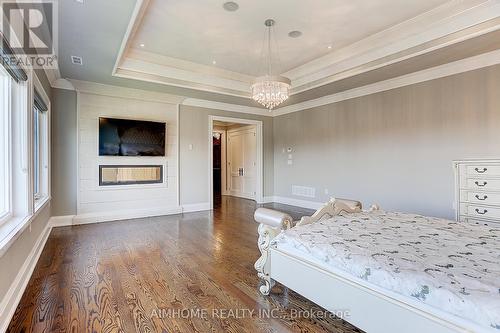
482	170
483	184
480	198
479	221
480	212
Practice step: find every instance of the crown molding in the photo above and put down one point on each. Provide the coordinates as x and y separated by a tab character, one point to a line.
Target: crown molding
122	92
450	23
457	67
190	66
424	33
152	72
135	20
202	103
63	84
139	65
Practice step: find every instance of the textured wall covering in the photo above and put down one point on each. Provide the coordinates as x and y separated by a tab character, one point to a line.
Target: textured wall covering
194	163
395	148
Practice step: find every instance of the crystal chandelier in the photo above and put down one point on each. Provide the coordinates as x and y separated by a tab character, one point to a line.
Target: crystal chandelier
270	90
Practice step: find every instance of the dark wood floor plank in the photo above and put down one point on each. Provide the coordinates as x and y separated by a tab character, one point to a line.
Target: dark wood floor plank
131	276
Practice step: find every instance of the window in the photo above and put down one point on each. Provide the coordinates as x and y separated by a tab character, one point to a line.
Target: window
36	153
40	149
5	139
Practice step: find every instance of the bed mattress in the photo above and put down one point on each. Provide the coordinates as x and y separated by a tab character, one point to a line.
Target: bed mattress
450	266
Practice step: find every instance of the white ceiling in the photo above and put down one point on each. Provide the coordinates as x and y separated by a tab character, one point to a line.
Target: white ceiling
202	31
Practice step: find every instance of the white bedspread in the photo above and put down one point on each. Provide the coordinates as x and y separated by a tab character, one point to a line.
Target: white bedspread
448	265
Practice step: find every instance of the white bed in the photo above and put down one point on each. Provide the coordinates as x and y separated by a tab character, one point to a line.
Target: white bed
416	275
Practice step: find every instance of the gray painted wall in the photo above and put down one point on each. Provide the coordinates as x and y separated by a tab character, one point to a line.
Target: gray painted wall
64	152
194	163
12	260
394	148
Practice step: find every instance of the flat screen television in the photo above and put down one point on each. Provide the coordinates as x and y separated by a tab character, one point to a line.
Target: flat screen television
125	137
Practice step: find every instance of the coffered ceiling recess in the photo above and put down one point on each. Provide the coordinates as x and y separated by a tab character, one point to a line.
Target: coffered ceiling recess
202	46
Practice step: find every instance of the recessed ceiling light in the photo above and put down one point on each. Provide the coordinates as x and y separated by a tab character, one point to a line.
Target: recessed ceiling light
79	1
231	6
76	60
295	34
214	62
142	45
329	47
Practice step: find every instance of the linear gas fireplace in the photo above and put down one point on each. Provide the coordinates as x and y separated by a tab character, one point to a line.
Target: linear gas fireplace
130	174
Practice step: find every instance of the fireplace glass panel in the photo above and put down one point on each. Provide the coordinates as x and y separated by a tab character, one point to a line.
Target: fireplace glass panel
130	174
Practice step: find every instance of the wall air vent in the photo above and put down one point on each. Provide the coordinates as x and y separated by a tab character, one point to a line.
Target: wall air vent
76	60
304	191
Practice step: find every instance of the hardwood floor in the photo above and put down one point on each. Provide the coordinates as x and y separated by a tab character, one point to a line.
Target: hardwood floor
181	273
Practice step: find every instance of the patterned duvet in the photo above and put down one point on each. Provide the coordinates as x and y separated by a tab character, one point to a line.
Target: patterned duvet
448	265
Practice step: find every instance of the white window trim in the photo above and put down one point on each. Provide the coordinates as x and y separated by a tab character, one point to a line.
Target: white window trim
14	225
8	139
42	198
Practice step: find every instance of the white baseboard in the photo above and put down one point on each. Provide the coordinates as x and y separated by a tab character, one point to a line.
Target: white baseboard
298	202
13	297
267	200
197	207
61	221
124	215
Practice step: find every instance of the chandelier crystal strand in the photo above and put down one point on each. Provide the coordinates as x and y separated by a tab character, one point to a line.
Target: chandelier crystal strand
270	91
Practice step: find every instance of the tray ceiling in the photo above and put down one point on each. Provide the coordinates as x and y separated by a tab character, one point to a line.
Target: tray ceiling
171	46
203	32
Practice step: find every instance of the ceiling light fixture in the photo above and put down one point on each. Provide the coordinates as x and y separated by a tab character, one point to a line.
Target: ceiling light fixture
214	62
231	6
270	90
295	34
329	47
142	45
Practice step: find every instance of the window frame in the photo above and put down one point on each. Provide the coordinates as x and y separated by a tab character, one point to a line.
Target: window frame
6	142
43	171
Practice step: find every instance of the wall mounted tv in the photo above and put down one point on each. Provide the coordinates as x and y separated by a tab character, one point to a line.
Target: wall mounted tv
125	137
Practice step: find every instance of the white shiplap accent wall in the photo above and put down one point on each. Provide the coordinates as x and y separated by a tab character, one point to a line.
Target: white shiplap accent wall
104	203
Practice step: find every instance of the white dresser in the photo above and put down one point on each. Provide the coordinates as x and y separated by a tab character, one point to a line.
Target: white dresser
478	190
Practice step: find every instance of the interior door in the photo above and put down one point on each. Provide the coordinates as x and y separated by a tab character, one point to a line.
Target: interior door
235	163
242	162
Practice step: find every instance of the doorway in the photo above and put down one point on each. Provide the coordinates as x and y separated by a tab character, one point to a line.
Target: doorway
235	157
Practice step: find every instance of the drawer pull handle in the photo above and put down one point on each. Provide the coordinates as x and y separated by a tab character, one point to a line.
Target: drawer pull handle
481	213
481	171
481	185
482	199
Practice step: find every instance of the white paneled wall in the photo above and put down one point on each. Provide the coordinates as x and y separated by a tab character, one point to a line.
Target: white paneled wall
151	199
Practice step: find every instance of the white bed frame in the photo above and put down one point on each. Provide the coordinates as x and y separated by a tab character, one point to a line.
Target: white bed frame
370	309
